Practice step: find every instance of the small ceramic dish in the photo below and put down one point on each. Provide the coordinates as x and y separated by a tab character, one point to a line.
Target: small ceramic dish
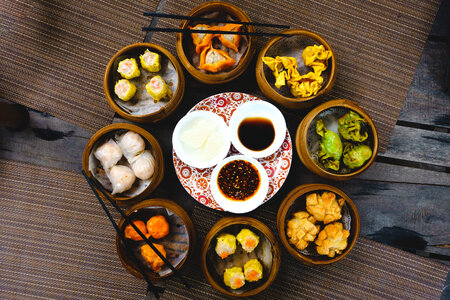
293	47
257	129
295	201
201	139
178	244
141	107
252	188
191	60
307	141
94	169
267	252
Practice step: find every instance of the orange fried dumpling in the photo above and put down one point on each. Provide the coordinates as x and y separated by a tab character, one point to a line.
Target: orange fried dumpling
324	208
332	239
201	40
215	60
230	40
130	233
150	256
158	227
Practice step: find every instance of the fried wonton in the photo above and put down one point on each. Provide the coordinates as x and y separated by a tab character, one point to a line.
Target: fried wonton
301	229
230	40
330	147
324	207
316	57
215	60
305	85
332	239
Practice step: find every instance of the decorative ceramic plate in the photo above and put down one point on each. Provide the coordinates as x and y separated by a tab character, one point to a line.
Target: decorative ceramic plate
196	181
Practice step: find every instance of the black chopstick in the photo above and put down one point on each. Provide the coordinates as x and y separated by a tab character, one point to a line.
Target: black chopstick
146	240
213	31
155	289
192	18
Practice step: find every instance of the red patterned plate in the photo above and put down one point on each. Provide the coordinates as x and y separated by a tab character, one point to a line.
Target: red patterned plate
196	181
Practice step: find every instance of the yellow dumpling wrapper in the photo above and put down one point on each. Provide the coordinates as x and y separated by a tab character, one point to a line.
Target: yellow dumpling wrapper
124	89
158	89
128	68
150	61
308	85
277	64
316	57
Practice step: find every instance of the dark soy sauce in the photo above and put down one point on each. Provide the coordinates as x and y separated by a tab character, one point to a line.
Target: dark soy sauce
256	133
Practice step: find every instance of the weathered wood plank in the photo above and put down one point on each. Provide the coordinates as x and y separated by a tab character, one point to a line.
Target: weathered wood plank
47	141
418	145
427	102
441	25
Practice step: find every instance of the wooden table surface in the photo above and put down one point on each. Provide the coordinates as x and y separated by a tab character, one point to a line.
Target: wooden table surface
403	199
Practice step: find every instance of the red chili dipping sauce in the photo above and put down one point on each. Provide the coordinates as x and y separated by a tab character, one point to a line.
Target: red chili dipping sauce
238	180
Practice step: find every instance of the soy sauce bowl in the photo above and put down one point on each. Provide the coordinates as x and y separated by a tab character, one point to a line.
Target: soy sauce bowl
250	125
251	202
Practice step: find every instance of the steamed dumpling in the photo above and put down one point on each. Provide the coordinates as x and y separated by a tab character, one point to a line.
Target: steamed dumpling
143	165
108	154
131	144
122	178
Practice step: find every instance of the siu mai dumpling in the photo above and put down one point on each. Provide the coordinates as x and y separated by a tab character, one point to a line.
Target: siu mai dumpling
122	178
131	144
108	154
143	165
124	89
231	40
128	68
215	60
150	61
157	88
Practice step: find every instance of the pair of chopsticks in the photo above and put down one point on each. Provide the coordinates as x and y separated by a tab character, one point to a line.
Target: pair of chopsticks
191	18
150	287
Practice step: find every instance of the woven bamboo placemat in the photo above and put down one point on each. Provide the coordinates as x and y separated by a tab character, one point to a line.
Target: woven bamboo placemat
54	53
57	243
377	44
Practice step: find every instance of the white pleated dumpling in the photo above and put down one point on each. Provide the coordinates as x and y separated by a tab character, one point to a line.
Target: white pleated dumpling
143	165
122	178
131	144
108	154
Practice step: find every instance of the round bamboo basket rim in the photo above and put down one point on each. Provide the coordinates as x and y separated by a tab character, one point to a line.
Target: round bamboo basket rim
176	209
287	203
244	61
271	92
302	134
156	148
241	220
164	111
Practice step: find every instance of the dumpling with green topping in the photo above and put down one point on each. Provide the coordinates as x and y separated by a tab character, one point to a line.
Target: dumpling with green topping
356	155
350	125
330	147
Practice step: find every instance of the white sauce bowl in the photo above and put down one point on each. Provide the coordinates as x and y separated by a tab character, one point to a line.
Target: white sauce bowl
189	143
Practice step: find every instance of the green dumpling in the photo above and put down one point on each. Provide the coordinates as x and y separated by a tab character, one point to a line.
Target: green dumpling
330	147
350	127
356	155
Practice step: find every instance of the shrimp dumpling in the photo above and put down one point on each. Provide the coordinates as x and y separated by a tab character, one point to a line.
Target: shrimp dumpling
108	154
143	165
131	144
122	178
